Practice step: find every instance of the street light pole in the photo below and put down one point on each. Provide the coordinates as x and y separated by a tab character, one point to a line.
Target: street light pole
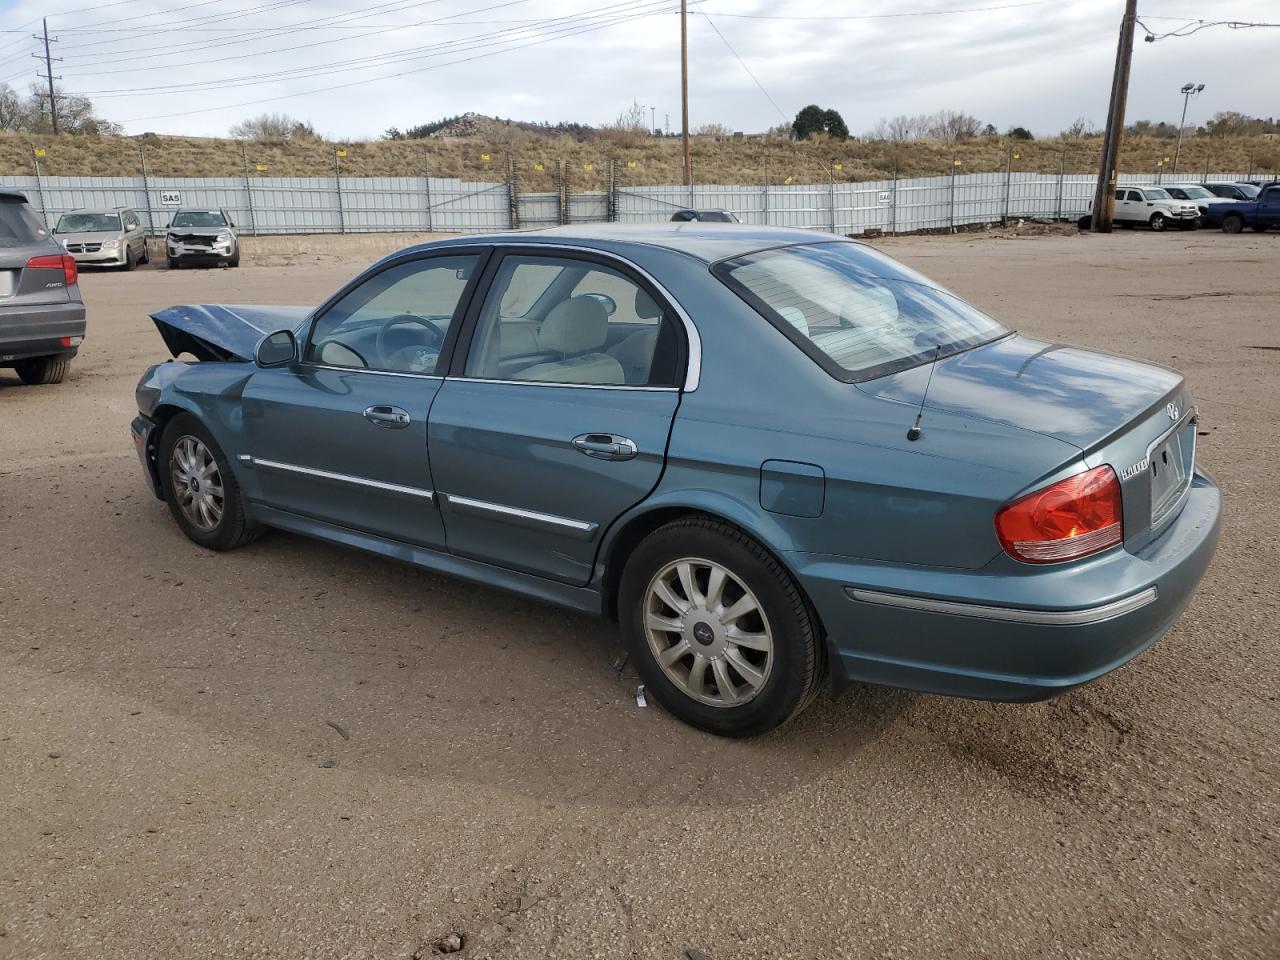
1189	90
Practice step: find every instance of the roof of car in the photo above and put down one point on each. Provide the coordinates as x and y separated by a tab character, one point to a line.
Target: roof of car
98	210
704	241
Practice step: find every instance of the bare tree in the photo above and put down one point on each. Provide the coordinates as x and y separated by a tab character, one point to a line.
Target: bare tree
954	125
273	126
713	130
1080	127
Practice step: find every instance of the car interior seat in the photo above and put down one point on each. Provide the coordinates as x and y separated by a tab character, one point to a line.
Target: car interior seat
576	329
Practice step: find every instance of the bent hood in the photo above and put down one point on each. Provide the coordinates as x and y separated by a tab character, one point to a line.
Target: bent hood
213	332
1069	393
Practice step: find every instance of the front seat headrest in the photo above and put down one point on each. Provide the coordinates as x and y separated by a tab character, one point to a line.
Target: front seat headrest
646	308
576	325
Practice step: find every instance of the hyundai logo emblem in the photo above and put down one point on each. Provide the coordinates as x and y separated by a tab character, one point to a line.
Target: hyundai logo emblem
1172	410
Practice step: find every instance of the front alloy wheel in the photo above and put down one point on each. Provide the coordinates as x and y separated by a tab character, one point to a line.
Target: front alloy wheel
1158	221
197	484
708	632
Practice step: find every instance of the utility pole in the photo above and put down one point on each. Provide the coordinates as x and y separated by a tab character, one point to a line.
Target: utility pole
1189	90
1104	197
48	73
684	88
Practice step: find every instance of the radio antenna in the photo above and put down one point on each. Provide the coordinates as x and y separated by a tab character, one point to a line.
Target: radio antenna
915	433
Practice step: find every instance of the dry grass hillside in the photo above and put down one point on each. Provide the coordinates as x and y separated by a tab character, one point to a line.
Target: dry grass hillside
656	160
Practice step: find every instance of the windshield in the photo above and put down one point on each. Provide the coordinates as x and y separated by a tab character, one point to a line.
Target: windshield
1155	194
1195	193
1249	190
87	223
199	218
856	312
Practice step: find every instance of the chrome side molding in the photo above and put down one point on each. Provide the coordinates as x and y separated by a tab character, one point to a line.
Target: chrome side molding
582	528
337	477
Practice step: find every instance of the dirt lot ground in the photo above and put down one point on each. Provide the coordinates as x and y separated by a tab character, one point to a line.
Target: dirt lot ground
169	786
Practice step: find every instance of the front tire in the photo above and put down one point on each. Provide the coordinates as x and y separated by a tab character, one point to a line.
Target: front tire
1233	224
174	264
38	371
130	261
1158	222
234	260
718	630
200	488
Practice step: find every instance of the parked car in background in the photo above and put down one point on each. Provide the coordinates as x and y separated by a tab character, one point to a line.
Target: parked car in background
106	237
199	236
1152	206
705	216
1233	191
41	313
1195	193
922	497
1260	214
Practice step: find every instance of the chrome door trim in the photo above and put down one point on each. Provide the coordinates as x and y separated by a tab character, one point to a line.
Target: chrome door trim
583	528
1064	618
381	373
693	373
339	477
579	386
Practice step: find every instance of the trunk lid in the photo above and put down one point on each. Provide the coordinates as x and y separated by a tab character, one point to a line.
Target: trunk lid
1135	416
226	333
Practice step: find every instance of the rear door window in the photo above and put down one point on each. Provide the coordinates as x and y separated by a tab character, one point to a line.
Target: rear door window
19	224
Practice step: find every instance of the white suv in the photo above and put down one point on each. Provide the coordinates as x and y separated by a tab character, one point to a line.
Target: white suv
1154	207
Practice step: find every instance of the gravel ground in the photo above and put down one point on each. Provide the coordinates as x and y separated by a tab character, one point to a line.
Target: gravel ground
170	785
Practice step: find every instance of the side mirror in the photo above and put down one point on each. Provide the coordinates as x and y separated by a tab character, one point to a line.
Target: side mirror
276	349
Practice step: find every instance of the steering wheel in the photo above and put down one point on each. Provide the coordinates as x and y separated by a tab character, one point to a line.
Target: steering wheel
406	319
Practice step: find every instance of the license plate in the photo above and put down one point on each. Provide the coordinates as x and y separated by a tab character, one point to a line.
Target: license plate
1171	465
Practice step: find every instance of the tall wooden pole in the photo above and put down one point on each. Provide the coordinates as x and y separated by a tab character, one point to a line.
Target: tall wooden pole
1104	197
684	90
48	72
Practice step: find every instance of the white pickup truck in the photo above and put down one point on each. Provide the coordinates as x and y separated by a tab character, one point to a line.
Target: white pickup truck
1151	206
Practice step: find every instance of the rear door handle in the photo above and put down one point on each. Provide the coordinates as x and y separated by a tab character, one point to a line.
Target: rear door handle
605	446
384	415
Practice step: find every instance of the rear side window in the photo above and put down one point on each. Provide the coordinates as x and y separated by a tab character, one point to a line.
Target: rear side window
856	312
19	224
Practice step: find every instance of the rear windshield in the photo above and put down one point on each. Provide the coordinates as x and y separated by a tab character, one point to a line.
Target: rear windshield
856	312
199	218
19	224
87	223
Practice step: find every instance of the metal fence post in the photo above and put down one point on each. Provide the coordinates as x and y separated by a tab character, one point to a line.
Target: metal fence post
613	192
248	190
831	177
1008	186
766	193
1062	172
513	212
44	207
337	180
426	186
146	189
564	191
951	213
893	204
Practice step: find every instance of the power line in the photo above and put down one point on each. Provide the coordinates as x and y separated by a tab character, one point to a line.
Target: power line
358	83
1195	26
373	61
742	63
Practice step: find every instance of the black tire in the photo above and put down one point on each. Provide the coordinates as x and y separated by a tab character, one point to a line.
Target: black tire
173	264
1085	222
1233	224
130	261
234	261
38	371
233	528
796	661
146	253
1158	222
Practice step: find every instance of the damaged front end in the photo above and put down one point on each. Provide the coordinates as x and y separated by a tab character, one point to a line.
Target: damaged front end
218	333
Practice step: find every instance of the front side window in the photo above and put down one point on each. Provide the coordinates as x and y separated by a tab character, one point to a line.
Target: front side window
87	223
396	321
856	312
199	218
563	320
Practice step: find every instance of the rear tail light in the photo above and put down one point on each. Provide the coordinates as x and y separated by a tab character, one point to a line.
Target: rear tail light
1066	520
66	263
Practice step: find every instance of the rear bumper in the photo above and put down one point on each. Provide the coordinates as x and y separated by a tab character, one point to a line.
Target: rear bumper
996	636
39	330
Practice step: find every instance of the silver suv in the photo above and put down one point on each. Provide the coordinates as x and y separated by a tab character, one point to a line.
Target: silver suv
202	236
106	237
41	313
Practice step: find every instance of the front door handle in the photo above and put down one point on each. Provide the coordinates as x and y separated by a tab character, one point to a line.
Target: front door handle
384	415
605	446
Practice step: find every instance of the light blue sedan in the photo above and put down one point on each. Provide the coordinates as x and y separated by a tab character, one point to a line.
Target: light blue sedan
781	461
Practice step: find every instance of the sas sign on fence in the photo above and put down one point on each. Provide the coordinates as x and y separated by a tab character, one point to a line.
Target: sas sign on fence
170	198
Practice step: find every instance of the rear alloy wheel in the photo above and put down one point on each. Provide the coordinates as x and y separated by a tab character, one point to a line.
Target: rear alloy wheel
42	370
200	489
1233	224
1158	221
718	629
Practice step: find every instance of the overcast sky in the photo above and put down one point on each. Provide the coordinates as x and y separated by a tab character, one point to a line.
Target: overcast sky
356	67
